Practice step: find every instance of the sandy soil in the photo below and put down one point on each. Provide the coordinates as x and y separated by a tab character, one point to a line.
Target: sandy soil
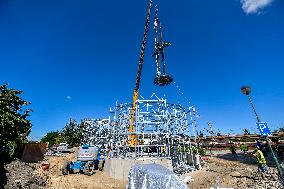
96	181
77	181
227	171
232	173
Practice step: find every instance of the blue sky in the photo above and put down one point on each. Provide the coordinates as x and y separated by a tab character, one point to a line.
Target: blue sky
76	58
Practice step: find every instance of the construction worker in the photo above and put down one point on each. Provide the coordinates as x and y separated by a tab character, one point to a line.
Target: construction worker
244	148
233	150
210	149
265	149
261	161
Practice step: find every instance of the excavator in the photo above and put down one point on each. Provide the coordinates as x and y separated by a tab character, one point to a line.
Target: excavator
161	78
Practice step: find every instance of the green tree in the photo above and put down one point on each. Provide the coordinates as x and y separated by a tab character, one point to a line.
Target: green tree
200	134
14	112
82	129
14	123
246	132
51	137
71	133
281	129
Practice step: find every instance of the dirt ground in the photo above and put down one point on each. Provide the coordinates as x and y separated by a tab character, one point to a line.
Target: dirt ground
227	171
77	181
231	173
224	169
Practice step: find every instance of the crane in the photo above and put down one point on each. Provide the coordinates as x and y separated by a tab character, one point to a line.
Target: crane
161	77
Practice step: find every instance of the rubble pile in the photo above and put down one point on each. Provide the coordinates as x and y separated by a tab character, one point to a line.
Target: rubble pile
22	175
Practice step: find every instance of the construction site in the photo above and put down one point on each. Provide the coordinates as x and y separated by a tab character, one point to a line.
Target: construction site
150	141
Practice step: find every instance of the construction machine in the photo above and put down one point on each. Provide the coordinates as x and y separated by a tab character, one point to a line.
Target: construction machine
88	160
161	78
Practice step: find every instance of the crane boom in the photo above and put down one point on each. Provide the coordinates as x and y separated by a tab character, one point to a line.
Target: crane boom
131	129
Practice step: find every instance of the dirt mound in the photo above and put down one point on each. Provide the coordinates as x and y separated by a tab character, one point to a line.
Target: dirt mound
22	175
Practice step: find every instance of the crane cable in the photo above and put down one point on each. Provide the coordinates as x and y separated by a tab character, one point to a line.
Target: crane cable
161	78
160	44
157	42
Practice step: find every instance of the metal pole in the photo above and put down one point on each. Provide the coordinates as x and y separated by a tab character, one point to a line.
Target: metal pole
266	138
253	107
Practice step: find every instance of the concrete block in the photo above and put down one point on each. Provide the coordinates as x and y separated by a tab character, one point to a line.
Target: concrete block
119	168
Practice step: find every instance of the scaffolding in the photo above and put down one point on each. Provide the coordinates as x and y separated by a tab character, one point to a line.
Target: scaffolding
162	129
96	132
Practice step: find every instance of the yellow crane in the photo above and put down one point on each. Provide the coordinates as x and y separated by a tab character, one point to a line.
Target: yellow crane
131	129
161	77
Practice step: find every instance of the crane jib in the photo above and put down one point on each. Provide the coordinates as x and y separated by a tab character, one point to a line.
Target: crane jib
161	78
141	60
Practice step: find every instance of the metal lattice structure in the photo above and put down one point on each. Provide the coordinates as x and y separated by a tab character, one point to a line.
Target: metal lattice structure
162	128
96	132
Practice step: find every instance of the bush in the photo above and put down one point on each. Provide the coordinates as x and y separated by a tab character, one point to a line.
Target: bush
51	138
202	151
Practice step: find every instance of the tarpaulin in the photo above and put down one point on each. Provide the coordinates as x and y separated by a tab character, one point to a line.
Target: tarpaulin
153	176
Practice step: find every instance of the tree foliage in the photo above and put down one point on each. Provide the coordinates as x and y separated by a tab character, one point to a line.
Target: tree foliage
200	134
246	132
14	112
281	129
51	138
71	133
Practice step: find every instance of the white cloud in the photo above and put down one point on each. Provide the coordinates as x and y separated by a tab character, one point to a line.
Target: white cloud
254	6
68	97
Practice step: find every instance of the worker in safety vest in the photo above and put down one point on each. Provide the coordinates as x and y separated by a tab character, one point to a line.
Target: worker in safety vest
244	148
233	150
261	161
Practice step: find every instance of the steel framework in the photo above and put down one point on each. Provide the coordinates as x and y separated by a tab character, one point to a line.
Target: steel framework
163	130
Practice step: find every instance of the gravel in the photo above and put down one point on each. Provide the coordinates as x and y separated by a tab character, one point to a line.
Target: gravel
22	175
244	177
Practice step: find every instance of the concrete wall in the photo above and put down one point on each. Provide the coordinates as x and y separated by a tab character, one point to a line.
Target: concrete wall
119	168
